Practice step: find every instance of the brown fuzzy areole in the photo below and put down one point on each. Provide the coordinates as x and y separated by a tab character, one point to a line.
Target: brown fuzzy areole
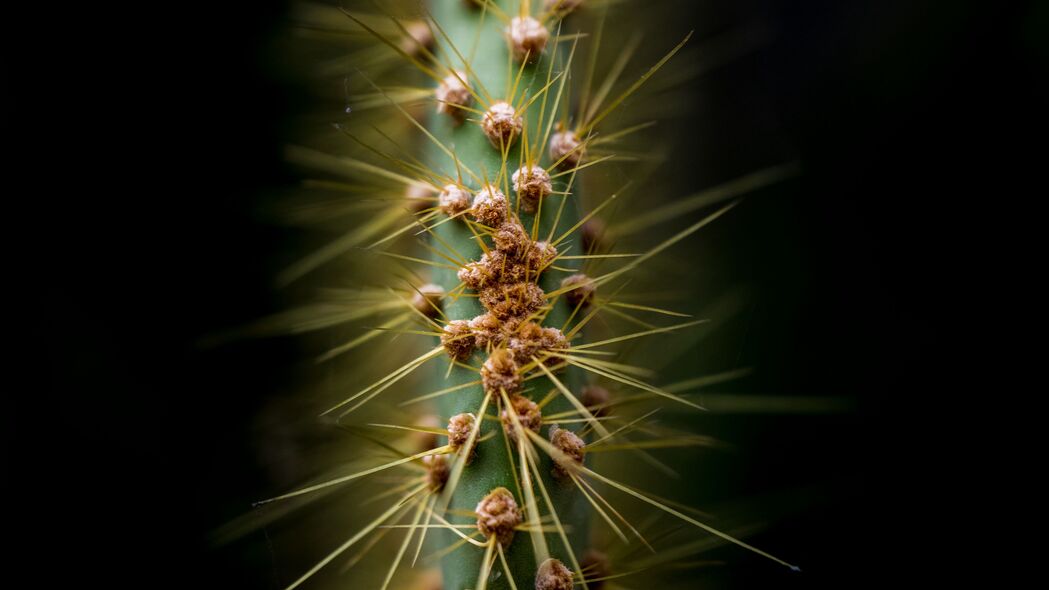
532	184
501	125
453	93
424	441
427	300
459	428
437	470
476	275
498	267
528	414
498	515
594	232
494	268
419	37
554	340
530	340
517	300
582	292
499	374
453	200
553	575
523	339
540	256
526	341
488	330
490	206
507	268
527	38
595	398
571	445
566	144
458	340
511	238
597	566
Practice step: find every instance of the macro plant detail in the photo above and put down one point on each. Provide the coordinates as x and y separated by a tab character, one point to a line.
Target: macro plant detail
494	312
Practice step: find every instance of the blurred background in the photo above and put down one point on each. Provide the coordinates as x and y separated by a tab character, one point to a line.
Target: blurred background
146	138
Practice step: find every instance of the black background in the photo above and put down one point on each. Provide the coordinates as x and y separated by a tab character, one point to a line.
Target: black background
141	137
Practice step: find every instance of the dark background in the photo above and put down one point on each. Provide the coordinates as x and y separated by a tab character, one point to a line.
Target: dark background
142	138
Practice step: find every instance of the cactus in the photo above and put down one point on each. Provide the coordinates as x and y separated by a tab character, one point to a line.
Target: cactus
510	168
494	204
